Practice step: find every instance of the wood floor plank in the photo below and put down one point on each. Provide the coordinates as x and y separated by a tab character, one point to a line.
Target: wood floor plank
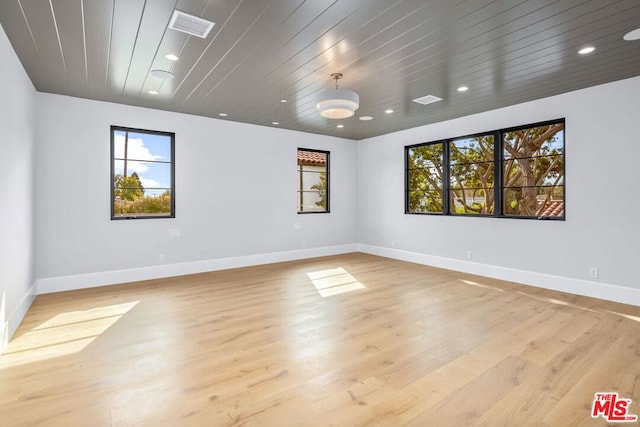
414	345
475	398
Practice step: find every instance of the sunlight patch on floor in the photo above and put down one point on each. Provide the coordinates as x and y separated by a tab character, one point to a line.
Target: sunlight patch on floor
626	316
64	334
71	317
334	281
558	302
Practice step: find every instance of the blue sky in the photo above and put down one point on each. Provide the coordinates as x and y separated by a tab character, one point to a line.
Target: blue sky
144	150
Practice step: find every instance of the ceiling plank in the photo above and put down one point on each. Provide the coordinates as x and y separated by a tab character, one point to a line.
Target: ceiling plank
69	19
41	22
20	34
153	26
98	20
127	15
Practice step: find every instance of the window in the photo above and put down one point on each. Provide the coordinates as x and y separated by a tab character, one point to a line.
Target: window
313	181
533	170
425	172
515	173
471	175
142	174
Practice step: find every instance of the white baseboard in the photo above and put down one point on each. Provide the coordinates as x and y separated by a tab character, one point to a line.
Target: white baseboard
90	280
588	288
9	326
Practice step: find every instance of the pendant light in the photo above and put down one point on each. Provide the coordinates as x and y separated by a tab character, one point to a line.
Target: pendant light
338	103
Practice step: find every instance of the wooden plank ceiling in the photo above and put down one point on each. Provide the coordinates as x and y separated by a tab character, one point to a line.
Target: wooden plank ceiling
261	52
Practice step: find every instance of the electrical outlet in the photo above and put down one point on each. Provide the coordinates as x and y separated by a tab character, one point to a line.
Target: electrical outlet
593	272
161	258
469	255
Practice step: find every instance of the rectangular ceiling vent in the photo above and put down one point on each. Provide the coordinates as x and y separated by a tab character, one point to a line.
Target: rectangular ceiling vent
429	99
190	24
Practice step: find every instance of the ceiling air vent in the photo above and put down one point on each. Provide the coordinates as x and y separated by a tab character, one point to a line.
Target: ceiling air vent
190	24
429	99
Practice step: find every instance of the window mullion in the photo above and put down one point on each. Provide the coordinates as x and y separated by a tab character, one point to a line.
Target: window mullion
498	173
446	179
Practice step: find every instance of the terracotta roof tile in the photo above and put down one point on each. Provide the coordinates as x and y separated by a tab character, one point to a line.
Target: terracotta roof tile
554	209
311	158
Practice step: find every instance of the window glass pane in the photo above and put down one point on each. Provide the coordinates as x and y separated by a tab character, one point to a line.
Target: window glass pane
425	201
532	171
551	202
118	144
312	202
470	175
425	179
158	204
534	201
472	201
533	142
472	150
311	180
426	156
140	146
150	175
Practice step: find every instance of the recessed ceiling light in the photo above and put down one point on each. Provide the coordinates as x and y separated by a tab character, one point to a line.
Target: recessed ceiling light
153	92
171	57
275	123
222	114
365	118
340	126
388	111
632	35
283	101
162	74
463	88
586	50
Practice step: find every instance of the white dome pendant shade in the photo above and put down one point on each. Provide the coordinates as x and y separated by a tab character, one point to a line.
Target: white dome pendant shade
338	103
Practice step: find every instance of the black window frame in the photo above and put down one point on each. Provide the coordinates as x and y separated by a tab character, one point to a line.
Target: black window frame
172	136
328	182
498	165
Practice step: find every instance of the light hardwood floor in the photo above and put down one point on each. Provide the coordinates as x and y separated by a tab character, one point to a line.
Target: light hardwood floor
403	345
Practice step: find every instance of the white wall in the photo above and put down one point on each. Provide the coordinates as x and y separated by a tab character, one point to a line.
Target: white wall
17	191
236	189
602	200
